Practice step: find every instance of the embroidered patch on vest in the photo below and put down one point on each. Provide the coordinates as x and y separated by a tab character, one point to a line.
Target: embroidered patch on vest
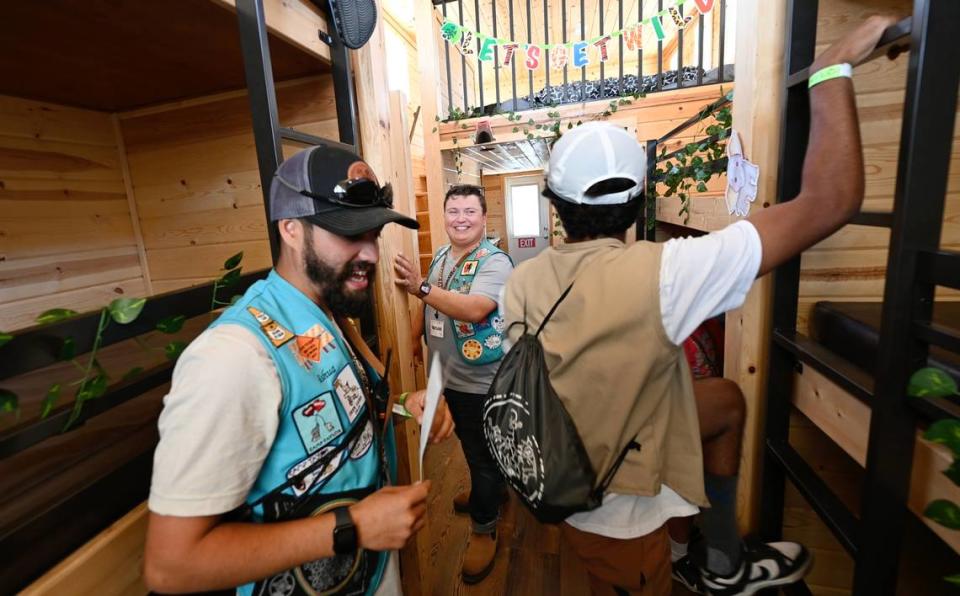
311	345
348	390
317	422
493	342
363	443
469	267
472	349
276	333
498	324
464	329
317	475
482	253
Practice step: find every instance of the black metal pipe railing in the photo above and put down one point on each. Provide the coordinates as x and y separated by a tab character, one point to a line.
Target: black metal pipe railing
604	24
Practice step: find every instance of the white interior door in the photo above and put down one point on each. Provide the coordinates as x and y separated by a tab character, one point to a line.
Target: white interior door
528	224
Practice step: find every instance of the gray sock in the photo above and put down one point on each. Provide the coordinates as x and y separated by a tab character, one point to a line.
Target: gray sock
719	525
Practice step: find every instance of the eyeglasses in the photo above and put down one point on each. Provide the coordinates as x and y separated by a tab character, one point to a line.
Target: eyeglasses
352	192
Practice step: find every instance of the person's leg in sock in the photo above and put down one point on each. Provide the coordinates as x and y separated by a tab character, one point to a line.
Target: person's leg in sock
722	412
731	566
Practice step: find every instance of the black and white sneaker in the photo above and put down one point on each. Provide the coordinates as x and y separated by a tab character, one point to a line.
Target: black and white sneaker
687	573
762	566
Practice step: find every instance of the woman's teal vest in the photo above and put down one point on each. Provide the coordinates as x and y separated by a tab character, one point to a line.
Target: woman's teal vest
323	399
477	343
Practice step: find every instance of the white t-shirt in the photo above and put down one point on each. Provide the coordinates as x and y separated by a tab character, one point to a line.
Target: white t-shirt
699	278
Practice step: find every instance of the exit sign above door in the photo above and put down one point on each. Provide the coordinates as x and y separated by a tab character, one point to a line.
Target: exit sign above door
527	242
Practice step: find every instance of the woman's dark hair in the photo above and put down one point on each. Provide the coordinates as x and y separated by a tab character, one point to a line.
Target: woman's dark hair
593	221
466	190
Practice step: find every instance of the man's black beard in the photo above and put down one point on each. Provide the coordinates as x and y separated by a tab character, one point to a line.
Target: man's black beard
336	296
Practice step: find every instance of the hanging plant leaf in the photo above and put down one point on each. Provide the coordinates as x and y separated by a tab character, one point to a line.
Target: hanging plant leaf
701	187
931	382
132	373
55	315
944	512
230	277
174	349
68	349
49	400
126	310
953	473
9	402
171	324
945	432
953	579
233	261
92	388
5	337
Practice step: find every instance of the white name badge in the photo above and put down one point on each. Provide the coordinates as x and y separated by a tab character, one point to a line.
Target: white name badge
436	328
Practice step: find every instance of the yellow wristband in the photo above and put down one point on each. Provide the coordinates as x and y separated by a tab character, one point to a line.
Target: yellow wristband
830	72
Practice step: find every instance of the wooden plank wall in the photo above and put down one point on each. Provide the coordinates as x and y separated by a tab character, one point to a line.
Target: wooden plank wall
196	182
66	234
850	265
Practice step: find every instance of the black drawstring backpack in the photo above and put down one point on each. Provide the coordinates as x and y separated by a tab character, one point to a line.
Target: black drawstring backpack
532	438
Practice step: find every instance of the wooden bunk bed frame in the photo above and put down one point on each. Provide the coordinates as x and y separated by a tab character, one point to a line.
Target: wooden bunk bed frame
871	417
106	515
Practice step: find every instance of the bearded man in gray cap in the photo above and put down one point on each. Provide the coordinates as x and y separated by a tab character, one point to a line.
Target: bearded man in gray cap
274	467
612	345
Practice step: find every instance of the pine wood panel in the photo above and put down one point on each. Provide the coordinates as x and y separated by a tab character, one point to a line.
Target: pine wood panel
194	171
110	564
494	187
108	55
66	231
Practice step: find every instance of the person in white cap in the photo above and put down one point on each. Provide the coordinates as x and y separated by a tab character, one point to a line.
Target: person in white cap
612	347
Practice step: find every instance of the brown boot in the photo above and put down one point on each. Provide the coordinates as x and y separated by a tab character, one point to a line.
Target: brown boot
461	502
479	558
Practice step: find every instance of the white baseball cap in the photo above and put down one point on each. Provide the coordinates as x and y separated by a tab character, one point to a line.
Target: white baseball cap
591	153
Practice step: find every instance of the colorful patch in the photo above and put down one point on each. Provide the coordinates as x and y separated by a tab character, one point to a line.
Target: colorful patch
261	317
349	392
498	324
469	267
311	345
315	476
464	329
482	253
317	422
277	334
363	443
472	349
492	342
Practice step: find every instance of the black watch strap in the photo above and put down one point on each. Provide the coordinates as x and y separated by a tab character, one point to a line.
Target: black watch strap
344	533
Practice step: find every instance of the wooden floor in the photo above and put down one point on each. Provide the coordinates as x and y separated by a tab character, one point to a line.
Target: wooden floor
531	560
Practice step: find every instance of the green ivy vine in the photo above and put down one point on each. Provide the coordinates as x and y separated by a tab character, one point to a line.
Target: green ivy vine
693	166
94	379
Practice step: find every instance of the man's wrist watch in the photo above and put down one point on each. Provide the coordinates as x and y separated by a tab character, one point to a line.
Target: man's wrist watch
424	289
344	533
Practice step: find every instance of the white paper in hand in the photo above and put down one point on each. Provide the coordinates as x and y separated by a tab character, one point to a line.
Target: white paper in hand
434	389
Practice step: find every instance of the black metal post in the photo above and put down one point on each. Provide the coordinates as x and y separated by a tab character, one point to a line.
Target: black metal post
680	52
659	50
513	61
924	162
546	41
446	55
723	38
496	58
263	101
463	63
600	10
648	232
476	19
530	41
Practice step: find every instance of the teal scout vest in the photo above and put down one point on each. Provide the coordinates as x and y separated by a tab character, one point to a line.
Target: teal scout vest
324	415
477	343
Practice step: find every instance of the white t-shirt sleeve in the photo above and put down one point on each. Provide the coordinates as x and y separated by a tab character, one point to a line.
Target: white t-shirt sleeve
703	277
218	423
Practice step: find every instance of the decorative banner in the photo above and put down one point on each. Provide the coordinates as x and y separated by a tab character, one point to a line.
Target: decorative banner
558	55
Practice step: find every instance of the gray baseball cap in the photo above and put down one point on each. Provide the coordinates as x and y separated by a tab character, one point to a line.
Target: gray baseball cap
331	186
